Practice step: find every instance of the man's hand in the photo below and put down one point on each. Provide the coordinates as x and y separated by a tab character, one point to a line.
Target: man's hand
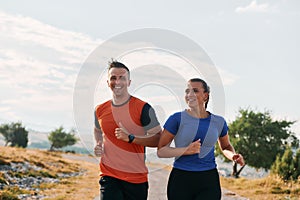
121	133
98	149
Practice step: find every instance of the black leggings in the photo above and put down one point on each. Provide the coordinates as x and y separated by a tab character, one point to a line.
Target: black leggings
190	185
116	189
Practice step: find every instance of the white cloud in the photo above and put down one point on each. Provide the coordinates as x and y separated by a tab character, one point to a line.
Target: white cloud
39	66
254	7
35	55
24	29
175	63
228	78
40	63
4	109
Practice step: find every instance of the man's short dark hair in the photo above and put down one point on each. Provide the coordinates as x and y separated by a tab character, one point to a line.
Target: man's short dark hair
116	64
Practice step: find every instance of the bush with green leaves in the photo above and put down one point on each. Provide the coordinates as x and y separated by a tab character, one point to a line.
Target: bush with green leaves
60	138
259	138
287	166
14	134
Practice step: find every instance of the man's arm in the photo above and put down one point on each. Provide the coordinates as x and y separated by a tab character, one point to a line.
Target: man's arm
151	125
98	135
98	149
149	140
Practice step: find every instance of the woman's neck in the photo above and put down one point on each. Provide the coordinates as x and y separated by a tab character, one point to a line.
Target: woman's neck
198	112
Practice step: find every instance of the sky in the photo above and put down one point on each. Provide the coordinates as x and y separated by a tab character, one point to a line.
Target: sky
253	45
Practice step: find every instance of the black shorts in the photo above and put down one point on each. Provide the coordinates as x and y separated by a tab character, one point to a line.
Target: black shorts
116	189
189	185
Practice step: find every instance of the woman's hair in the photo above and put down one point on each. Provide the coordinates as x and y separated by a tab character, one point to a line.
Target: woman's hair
205	87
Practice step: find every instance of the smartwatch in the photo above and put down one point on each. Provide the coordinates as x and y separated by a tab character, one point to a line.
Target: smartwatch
131	138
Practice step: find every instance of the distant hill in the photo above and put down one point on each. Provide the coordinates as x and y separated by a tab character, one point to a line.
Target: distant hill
39	140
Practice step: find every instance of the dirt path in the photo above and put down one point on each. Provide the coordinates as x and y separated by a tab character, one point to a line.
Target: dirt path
158	177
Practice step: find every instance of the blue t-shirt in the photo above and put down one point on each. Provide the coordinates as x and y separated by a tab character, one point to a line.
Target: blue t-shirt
188	129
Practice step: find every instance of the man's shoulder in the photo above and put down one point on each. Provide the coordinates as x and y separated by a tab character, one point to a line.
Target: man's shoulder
137	100
103	105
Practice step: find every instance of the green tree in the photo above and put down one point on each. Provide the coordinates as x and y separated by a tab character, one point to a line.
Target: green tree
59	138
259	138
14	134
296	173
286	166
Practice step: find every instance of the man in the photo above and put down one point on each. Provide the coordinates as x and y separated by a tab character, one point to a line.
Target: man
124	125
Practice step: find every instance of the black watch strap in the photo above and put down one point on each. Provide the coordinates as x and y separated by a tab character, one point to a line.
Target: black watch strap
131	138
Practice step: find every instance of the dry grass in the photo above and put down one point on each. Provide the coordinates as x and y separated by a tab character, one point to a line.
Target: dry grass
268	188
80	187
86	186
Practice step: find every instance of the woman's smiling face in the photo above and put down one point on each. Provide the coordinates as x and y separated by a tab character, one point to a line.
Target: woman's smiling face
195	95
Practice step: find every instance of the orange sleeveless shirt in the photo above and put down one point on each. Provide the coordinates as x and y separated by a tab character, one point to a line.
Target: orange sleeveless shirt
122	160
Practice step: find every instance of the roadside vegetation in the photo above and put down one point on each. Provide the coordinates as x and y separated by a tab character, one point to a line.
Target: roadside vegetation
271	187
76	179
265	143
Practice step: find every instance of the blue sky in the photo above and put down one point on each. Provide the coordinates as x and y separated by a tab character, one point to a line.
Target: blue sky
254	45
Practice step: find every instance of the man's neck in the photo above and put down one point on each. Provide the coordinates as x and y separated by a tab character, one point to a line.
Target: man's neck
120	100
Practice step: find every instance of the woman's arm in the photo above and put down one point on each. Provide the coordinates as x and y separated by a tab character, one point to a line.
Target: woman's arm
228	150
165	151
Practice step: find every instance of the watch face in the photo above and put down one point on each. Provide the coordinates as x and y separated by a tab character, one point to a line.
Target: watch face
131	138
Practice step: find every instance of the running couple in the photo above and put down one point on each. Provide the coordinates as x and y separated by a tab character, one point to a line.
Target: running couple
125	125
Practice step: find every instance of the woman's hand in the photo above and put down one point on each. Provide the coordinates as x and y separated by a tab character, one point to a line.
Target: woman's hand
238	158
193	148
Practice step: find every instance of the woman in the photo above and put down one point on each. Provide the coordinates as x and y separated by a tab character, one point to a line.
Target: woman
195	132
